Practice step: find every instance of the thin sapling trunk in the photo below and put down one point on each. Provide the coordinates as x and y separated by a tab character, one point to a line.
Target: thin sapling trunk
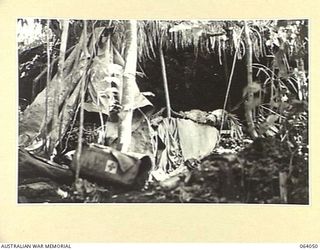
129	81
249	104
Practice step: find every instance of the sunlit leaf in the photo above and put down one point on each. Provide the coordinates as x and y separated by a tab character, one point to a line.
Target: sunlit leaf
180	27
253	88
111	79
92	107
113	68
197	31
272	118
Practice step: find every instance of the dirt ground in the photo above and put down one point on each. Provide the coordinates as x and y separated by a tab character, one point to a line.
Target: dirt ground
248	176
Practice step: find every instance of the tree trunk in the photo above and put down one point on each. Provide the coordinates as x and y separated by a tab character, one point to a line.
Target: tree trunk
249	104
55	118
129	81
32	166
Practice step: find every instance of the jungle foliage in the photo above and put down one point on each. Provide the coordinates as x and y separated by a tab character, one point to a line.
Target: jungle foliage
254	72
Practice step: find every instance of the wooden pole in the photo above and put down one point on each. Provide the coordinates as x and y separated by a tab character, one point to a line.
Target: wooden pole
164	77
229	82
283	177
47	88
81	104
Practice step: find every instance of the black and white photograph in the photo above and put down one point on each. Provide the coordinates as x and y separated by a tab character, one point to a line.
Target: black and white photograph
163	111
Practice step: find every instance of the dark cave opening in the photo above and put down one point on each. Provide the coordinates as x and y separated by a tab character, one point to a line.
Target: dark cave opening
194	82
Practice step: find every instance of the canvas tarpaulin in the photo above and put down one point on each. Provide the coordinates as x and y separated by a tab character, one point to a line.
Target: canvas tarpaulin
184	140
196	140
